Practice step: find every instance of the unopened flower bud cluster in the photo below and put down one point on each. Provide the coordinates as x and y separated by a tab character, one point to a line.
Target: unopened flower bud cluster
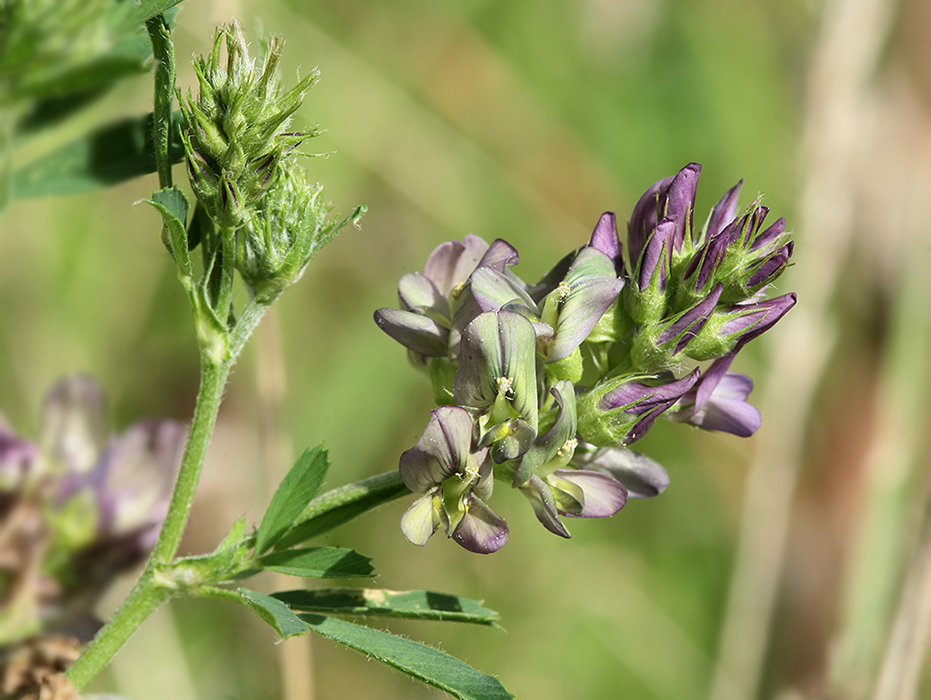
239	151
545	385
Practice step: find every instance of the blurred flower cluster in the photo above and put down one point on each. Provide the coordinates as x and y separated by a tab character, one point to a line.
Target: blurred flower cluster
76	509
544	386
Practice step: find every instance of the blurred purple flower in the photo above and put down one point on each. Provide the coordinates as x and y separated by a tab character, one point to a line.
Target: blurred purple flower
18	459
102	503
130	479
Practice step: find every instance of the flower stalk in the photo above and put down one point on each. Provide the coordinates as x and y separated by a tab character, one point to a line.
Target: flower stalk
252	200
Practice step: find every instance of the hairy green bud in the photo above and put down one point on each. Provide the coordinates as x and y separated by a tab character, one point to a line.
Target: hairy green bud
236	138
278	241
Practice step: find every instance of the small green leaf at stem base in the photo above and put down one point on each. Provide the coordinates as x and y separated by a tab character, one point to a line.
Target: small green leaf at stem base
173	206
297	489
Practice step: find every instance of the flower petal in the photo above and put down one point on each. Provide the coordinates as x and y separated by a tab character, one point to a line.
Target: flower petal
603	496
748	321
680	201
645	217
499	349
451	263
540	495
548	447
416	291
421	520
481	530
442	450
593	287
724	212
640	475
605	239
656	259
500	254
493	289
414	331
727	415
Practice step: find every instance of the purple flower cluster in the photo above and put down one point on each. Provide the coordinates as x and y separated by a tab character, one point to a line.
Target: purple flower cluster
546	385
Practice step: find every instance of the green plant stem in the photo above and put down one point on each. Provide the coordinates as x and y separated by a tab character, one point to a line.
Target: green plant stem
163	51
227	272
142	601
212	382
147	594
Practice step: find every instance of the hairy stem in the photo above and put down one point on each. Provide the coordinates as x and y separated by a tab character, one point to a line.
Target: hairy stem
212	382
163	51
147	595
142	601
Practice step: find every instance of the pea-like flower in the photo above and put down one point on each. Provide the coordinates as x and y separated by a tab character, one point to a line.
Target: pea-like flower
498	379
619	412
554	488
718	401
732	327
455	479
436	304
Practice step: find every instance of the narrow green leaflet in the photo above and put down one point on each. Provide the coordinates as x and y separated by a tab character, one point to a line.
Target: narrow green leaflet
301	484
275	613
341	505
418	605
318	562
420	661
105	157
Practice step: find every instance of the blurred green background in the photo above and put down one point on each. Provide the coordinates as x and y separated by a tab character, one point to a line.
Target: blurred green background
773	566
